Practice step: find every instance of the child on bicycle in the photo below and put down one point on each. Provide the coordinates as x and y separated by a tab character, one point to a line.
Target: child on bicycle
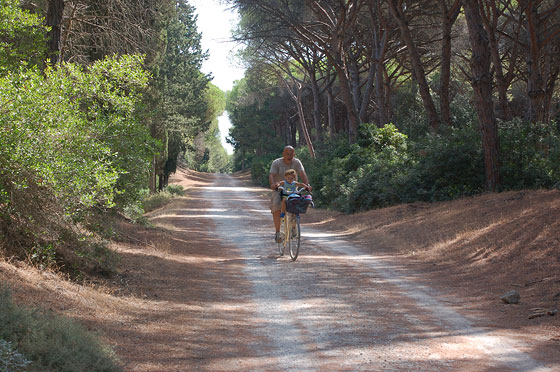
287	187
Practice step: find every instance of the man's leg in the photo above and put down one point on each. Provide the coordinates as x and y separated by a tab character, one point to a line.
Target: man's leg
275	210
276	218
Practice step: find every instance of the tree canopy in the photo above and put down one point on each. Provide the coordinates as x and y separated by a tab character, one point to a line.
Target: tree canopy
430	68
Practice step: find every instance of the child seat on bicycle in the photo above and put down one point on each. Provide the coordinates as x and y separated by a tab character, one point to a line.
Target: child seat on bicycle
289	186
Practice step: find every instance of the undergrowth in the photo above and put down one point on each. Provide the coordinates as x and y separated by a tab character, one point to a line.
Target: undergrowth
35	229
159	199
33	340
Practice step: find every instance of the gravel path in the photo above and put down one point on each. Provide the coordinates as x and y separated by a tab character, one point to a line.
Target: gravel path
338	308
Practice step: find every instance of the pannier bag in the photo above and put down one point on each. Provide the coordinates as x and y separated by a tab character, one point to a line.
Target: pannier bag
298	203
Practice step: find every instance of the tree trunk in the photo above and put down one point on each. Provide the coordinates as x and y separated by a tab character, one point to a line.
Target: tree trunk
330	111
382	117
54	21
160	182
417	68
535	81
302	122
353	118
303	126
376	74
448	19
152	181
490	20
550	92
354	80
482	89
293	133
316	105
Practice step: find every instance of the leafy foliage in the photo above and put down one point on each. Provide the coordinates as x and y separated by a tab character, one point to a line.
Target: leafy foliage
531	155
206	153
75	133
181	112
72	142
449	165
252	115
22	37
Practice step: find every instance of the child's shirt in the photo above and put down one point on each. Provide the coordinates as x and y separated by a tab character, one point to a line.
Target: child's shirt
289	188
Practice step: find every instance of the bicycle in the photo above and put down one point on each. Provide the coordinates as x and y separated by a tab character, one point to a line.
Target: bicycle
290	227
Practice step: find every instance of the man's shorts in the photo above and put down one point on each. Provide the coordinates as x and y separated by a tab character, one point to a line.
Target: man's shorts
275	202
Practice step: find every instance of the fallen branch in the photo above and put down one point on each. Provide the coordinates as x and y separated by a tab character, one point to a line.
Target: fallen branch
539	280
539	311
536	315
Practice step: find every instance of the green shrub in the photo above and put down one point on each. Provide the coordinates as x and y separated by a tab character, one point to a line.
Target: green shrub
320	170
370	174
260	169
386	168
530	154
157	200
175	190
448	166
50	342
72	142
22	37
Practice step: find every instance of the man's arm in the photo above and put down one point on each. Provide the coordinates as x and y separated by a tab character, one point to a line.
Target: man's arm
271	181
305	180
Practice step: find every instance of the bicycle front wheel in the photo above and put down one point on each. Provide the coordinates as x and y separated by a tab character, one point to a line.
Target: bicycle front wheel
295	238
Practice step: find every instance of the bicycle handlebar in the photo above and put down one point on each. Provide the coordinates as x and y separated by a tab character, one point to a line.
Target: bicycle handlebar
298	191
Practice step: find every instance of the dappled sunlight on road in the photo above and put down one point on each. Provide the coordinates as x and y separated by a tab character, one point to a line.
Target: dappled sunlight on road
196	216
227	189
227	302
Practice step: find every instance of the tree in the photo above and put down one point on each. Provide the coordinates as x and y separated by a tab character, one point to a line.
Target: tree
542	44
256	110
396	7
206	152
179	102
92	29
449	14
321	26
481	80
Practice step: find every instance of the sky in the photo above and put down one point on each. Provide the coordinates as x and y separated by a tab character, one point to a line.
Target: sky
215	22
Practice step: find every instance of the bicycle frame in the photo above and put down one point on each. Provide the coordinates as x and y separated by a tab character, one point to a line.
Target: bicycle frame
291	231
291	235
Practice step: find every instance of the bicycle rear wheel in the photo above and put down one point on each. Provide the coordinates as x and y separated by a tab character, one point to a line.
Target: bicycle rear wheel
295	237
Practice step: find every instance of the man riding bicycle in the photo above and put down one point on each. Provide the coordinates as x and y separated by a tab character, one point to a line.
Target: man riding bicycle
276	175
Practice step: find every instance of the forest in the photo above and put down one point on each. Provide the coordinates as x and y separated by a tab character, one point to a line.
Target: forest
395	101
97	99
385	101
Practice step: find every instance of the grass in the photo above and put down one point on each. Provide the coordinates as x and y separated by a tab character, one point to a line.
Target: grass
159	199
40	341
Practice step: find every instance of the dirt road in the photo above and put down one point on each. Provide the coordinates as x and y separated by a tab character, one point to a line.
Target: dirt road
231	304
